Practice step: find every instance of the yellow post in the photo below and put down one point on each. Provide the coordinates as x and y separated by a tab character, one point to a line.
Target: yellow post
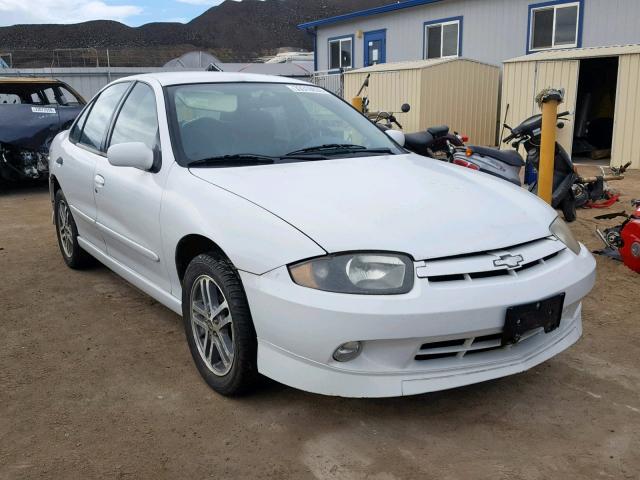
548	100
358	103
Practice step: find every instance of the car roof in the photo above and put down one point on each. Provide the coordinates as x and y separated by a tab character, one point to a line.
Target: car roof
181	78
30	80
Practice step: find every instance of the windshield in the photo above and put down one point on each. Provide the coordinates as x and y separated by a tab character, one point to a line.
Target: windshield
270	120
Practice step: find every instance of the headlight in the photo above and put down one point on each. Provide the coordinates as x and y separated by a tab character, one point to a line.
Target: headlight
357	273
563	233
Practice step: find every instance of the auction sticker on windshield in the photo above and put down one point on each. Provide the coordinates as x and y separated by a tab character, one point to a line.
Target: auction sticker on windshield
307	89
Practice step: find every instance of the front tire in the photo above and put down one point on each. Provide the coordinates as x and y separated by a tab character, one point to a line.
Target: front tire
218	325
67	232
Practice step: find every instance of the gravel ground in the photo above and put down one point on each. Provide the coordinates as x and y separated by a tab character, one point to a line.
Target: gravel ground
96	381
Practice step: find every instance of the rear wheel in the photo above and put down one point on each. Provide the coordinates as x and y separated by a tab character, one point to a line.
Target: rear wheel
568	207
67	232
218	325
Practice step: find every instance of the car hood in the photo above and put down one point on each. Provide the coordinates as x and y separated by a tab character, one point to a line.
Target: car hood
410	204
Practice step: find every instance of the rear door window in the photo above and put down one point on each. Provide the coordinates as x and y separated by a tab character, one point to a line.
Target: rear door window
10	98
74	135
67	97
49	96
99	119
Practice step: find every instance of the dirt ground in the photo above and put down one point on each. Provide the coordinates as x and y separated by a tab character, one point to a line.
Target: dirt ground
96	381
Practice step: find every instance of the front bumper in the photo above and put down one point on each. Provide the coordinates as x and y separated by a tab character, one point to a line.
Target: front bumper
299	329
18	164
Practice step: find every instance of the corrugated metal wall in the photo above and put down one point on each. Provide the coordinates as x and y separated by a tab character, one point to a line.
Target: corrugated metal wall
518	86
626	147
463	95
561	74
388	91
522	81
460	93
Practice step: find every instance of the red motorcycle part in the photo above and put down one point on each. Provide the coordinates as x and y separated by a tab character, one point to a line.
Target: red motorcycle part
608	202
630	251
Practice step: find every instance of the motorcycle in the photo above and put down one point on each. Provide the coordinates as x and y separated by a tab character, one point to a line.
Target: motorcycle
595	192
623	242
507	164
434	142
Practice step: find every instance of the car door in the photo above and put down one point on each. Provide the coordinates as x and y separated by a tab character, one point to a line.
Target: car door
75	166
128	199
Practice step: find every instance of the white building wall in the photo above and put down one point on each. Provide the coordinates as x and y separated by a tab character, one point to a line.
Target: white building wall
492	31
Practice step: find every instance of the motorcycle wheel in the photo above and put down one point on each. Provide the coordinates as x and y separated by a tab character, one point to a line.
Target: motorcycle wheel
581	194
568	207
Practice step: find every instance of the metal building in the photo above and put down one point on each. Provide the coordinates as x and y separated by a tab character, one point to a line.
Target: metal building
602	92
460	93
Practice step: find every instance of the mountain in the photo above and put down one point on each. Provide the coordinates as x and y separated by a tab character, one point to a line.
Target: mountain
234	31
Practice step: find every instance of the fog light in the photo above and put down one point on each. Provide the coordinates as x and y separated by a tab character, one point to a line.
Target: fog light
347	351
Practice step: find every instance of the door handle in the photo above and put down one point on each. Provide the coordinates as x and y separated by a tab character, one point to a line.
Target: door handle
59	161
99	181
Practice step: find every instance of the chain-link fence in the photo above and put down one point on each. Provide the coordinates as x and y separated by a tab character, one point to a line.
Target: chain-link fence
95	57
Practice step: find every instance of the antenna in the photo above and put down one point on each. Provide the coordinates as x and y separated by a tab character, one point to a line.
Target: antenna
506	112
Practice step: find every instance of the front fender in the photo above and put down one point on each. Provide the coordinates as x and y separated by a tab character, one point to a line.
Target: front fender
254	239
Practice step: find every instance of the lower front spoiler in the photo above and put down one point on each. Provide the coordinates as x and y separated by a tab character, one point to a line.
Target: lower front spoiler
314	377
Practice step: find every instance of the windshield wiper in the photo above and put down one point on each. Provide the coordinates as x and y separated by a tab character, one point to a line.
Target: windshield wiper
337	148
233	160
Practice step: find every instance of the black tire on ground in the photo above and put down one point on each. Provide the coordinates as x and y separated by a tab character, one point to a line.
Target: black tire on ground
568	207
73	255
243	374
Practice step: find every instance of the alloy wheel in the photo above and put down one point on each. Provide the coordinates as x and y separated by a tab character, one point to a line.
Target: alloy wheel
212	325
64	228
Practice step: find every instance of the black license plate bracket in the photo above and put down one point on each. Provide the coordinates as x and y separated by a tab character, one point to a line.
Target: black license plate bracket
524	318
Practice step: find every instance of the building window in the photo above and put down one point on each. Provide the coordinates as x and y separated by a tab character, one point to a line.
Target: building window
442	38
554	26
340	53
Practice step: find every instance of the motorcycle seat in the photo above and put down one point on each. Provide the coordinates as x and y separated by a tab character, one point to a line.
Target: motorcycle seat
418	142
439	131
510	157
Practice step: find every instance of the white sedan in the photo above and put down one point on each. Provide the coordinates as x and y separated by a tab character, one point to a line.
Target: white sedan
300	242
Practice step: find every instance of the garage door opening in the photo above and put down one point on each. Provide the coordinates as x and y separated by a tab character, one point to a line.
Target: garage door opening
595	109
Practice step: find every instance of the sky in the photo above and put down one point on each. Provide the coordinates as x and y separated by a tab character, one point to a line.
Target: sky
130	12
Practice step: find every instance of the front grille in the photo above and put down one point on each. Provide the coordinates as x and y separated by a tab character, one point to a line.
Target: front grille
491	273
462	347
483	265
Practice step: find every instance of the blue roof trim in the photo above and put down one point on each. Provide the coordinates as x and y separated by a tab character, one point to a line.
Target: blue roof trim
365	13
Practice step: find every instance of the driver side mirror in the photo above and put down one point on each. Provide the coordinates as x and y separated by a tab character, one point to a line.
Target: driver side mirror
396	135
406	108
134	154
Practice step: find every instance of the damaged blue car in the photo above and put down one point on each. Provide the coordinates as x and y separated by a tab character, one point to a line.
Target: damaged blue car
32	112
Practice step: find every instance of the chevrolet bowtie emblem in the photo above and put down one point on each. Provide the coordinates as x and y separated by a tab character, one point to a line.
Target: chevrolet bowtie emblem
509	261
